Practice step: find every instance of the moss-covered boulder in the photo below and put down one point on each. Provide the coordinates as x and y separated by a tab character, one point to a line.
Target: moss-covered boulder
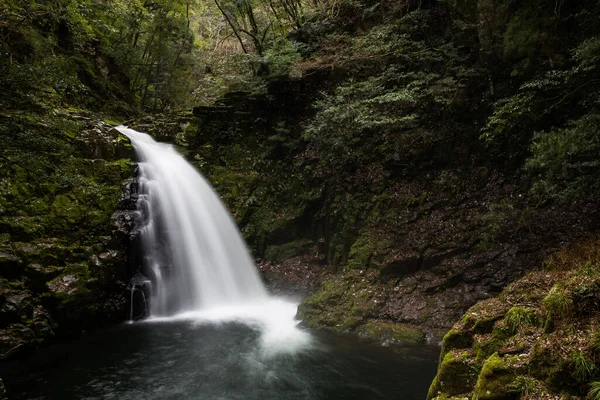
457	373
534	340
280	253
494	380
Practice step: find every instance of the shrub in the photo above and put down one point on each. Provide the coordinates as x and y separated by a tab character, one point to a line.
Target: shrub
519	317
566	157
525	385
558	302
594	393
583	368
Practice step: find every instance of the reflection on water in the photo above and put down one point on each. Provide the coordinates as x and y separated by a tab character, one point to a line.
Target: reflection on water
190	360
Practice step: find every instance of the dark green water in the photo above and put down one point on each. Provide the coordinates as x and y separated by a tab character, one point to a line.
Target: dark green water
181	360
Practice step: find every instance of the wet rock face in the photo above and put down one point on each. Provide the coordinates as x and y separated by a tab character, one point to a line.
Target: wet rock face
100	141
173	128
440	257
64	250
296	275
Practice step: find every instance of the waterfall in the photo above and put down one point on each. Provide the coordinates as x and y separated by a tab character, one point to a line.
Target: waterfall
193	251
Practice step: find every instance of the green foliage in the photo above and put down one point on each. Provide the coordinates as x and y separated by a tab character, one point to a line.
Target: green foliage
280	57
583	367
558	302
526	33
519	317
87	53
587	54
506	115
594	392
556	101
569	155
347	119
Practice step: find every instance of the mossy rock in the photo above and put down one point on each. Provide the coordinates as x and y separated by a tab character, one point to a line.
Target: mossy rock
18	305
66	207
494	380
10	265
479	324
14	338
456	339
71	282
341	303
547	366
361	253
488	344
42	324
483	315
40	274
278	254
457	374
319	309
23	228
389	331
349	324
48	252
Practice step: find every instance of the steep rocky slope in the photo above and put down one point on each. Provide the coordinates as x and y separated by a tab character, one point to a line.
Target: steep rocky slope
63	240
538	339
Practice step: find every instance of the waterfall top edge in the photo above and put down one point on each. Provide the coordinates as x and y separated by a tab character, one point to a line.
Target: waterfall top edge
135	135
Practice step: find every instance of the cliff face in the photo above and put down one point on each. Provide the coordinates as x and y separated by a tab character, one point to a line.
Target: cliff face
65	224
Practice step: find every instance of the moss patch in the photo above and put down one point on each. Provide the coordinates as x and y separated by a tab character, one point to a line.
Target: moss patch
457	373
342	303
494	379
392	332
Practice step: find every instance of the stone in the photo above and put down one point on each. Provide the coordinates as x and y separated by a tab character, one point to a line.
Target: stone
2	391
494	380
10	265
13	339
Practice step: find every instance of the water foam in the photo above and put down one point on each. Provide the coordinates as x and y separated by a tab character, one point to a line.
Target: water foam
274	318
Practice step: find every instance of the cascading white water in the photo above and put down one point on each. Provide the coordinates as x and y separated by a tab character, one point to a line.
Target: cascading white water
194	254
190	243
